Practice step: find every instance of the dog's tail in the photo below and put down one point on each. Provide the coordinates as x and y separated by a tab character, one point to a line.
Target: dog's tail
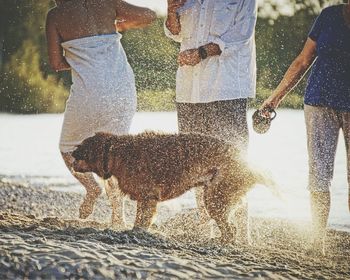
265	178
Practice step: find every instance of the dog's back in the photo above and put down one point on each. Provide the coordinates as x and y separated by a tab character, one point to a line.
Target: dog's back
172	163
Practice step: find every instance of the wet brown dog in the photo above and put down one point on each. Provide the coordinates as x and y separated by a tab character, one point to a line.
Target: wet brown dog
152	167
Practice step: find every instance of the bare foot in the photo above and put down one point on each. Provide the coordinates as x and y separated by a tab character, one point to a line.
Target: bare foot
244	239
317	247
203	217
87	206
117	221
229	235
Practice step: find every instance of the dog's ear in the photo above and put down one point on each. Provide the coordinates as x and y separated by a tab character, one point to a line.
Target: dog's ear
103	134
83	150
100	138
78	153
100	133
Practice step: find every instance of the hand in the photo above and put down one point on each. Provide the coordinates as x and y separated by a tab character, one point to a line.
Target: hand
271	102
173	5
119	25
189	57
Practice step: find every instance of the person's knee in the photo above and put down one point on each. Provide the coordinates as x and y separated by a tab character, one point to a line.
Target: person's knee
319	186
68	160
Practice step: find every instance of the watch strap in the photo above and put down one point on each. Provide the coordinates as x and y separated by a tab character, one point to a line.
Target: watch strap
203	54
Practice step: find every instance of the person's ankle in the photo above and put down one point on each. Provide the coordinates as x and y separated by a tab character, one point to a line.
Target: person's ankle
318	243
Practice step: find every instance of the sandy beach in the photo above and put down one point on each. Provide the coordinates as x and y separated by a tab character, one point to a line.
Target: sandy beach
42	238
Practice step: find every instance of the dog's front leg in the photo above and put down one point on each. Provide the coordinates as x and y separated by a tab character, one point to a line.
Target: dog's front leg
144	214
116	198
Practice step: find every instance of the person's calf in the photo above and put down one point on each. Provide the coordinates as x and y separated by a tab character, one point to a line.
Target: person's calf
92	188
320	207
241	220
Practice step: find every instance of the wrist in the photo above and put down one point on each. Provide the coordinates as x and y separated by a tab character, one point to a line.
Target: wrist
172	11
210	49
276	98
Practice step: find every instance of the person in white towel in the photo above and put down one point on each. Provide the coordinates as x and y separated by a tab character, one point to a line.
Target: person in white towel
81	37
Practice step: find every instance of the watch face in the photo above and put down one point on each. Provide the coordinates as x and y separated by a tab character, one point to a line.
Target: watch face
202	53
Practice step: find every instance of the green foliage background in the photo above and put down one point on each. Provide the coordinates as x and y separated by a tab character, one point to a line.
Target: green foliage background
27	85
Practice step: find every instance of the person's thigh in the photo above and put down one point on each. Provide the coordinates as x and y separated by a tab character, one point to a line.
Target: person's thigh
322	127
191	117
346	131
226	120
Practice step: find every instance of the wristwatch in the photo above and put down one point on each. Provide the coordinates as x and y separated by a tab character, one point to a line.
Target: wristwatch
202	52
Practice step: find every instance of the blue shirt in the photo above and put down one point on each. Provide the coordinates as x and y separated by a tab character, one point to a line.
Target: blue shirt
329	81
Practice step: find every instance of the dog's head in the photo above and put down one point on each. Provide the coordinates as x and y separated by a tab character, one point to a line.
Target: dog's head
88	156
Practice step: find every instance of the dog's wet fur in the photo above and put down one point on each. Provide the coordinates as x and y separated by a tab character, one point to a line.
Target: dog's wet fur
152	167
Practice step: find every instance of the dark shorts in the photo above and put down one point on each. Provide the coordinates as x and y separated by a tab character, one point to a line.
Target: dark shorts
226	120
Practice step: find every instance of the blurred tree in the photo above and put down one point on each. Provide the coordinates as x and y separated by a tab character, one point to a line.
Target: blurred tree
152	56
26	84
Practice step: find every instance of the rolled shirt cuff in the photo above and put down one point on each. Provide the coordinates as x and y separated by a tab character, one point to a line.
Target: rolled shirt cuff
228	45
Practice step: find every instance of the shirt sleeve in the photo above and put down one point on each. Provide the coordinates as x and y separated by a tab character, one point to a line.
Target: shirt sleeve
176	38
316	28
242	31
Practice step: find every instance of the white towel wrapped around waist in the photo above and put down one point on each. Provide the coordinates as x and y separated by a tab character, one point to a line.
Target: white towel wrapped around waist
102	95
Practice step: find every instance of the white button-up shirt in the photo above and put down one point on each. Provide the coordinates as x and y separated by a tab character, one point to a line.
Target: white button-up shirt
231	25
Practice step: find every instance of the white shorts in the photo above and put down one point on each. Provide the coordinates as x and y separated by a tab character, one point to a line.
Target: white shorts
323	125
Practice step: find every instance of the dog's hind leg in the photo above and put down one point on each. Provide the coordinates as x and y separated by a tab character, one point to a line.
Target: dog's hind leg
146	210
92	188
211	178
218	205
116	198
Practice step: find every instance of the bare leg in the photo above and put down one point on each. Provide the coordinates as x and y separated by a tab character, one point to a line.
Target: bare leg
92	188
320	207
241	219
145	213
116	198
346	131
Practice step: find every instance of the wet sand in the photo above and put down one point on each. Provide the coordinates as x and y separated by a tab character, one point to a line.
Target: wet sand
42	238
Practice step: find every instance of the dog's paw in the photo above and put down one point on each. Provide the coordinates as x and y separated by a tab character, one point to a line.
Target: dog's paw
202	217
87	206
317	247
86	209
139	230
228	236
225	240
244	239
118	224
